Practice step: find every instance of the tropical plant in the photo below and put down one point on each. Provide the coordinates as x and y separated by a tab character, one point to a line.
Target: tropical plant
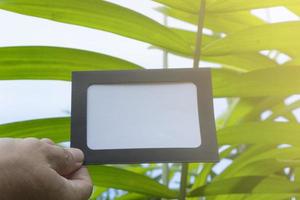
264	152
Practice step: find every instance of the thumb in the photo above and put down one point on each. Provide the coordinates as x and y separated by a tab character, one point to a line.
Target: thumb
64	161
80	184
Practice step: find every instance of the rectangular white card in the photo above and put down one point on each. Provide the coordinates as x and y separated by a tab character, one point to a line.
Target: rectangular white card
139	116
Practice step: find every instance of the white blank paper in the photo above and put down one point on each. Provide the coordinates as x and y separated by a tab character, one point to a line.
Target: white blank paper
135	116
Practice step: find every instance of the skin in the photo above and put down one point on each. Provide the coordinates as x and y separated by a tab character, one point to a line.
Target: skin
32	169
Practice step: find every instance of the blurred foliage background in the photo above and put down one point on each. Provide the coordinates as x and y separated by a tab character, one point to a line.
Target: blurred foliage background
259	133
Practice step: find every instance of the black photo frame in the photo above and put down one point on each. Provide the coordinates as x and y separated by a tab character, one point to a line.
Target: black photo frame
206	152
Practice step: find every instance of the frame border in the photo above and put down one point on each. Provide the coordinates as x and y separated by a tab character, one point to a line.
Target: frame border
206	152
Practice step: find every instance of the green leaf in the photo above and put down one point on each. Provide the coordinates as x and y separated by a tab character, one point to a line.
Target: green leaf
245	156
220	23
271	196
279	81
250	109
133	196
237	110
190	37
256	107
279	36
295	61
201	178
247	185
264	162
57	129
261	133
105	176
266	167
282	110
244	62
295	9
190	6
34	62
58	63
97	192
280	154
100	15
220	6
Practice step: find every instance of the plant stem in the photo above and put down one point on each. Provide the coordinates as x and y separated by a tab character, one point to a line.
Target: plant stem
165	52
183	180
197	53
197	56
165	166
165	174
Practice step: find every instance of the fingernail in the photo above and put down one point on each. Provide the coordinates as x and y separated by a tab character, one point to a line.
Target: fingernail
77	155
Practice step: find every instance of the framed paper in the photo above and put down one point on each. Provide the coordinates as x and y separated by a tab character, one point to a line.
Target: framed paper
143	116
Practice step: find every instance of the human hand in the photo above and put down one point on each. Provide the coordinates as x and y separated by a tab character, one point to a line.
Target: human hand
32	169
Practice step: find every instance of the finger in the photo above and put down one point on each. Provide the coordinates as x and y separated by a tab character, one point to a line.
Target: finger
47	141
81	184
64	161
